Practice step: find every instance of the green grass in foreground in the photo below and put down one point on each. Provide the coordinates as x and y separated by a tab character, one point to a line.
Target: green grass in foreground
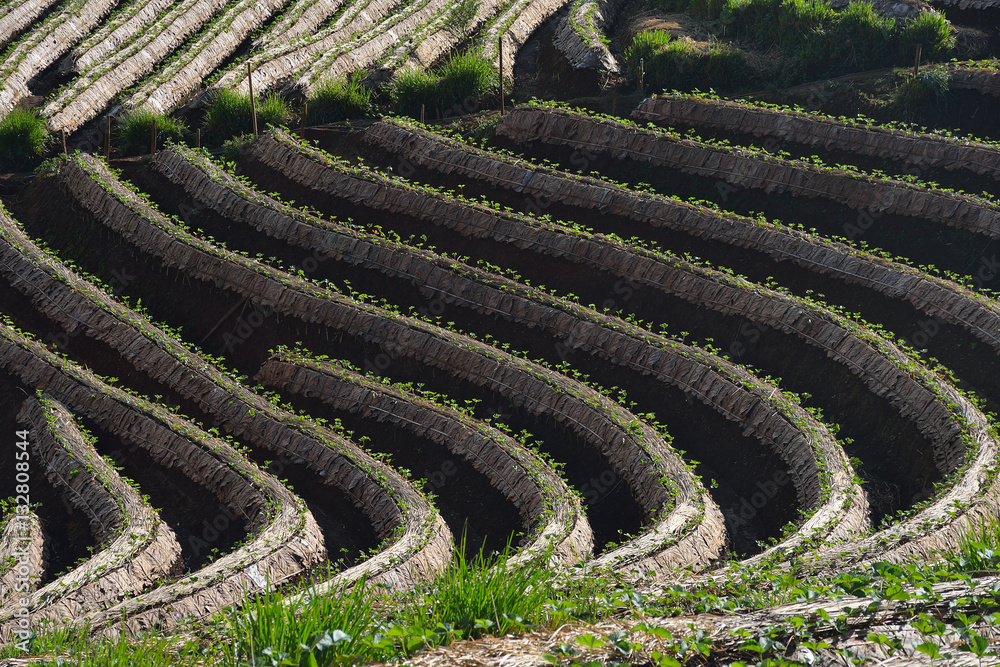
478	596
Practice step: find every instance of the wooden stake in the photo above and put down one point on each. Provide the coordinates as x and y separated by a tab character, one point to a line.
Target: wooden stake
916	61
500	50
65	152
107	141
305	114
422	105
642	74
152	139
197	138
253	103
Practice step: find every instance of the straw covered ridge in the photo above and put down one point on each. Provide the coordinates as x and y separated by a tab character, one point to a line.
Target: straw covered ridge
285	543
746	169
137	548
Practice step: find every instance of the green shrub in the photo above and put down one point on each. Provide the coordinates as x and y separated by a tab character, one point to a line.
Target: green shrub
468	75
929	86
473	597
979	546
340	99
229	115
932	31
823	42
23	139
79	648
50	166
135	130
443	90
411	88
678	65
789	24
484	595
861	37
647	43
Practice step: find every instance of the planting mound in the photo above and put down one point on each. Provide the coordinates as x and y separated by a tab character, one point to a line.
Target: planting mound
917	149
21	543
552	513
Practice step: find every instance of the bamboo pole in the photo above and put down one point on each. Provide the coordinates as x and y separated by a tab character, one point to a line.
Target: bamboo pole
642	74
152	139
65	152
197	138
107	141
422	105
916	60
500	50
253	103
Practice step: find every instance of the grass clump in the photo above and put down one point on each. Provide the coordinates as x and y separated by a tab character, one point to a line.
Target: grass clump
150	649
234	149
331	628
682	65
229	114
358	623
135	130
931	30
484	595
339	99
457	85
411	88
23	139
979	547
928	87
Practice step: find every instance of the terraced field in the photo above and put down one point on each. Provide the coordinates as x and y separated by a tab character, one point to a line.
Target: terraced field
586	337
92	59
